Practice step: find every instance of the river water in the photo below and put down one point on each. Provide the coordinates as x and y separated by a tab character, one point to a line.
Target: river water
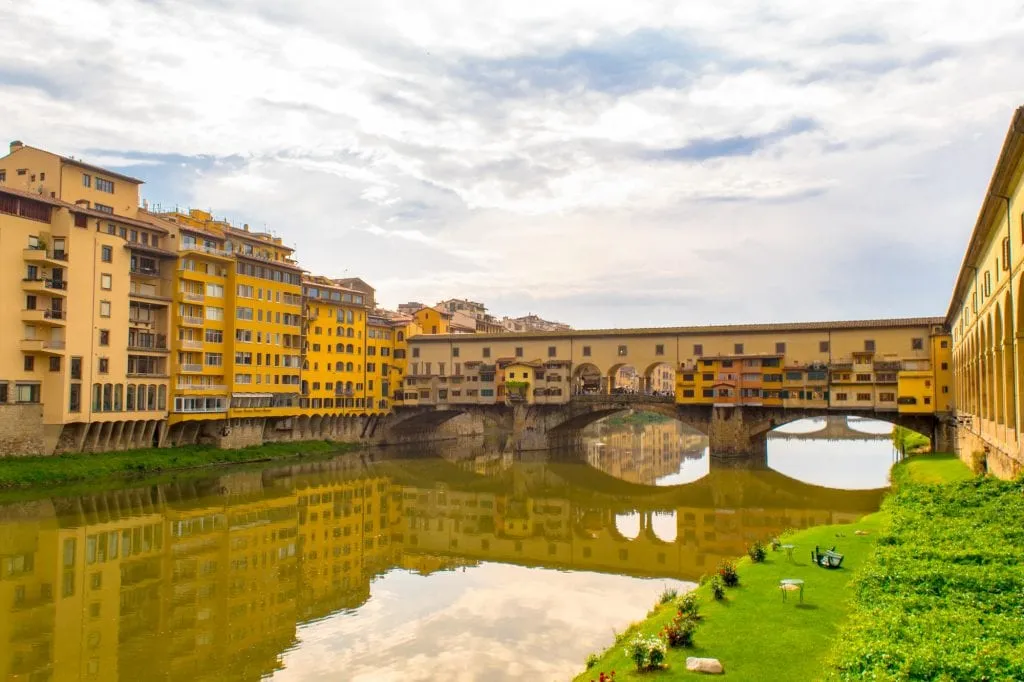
457	562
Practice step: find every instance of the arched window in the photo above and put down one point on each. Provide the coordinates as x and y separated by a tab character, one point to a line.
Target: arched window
350	318
348	367
108	397
151	397
305	387
140	397
118	391
338	366
349	348
348	385
130	401
350	332
401	336
340	348
97	398
339	332
161	398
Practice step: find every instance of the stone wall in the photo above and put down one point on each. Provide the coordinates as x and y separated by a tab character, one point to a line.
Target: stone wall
983	455
21	431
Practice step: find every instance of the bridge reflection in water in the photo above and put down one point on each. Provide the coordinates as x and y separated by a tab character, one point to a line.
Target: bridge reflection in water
209	578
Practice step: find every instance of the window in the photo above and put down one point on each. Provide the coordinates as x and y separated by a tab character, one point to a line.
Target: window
214	313
455	351
840	396
887	397
103	208
823	346
104	185
75	398
106	281
780	347
622	350
81	220
215	290
519	351
104	337
415	352
659	349
486	353
76	368
552	351
86	180
944	344
104	365
586	351
106	254
26	393
1006	253
737	348
917	344
55	364
217	336
104	308
869	346
687	392
698	349
708	393
863	397
29	363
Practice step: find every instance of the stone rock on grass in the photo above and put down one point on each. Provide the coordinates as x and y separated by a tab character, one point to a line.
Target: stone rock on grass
711	666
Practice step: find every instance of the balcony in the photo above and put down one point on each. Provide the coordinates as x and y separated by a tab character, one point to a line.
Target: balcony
190	321
148	292
55	318
40	256
201	387
190	343
209	250
193	296
47	287
191	368
146	373
44	346
147	343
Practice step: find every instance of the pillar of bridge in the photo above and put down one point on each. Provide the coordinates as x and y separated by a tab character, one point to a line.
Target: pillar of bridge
734	441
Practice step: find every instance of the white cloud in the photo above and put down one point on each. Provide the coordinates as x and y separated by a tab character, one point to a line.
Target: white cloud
552	155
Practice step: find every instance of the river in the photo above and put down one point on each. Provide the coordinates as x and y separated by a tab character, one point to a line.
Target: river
453	562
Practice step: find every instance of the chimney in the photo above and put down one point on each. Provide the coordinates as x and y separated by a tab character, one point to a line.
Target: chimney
245	227
16	145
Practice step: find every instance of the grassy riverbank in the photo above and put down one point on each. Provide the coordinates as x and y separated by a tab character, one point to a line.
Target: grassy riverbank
752	632
22	472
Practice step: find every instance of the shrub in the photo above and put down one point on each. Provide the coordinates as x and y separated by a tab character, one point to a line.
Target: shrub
727	572
592	660
605	677
718	588
776	544
667	595
757	552
688	606
646	652
680	631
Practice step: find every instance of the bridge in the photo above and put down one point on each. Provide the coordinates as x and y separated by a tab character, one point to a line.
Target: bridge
836	428
734	383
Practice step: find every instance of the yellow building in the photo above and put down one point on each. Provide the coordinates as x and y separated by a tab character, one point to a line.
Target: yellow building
380	346
432	320
333	373
92	284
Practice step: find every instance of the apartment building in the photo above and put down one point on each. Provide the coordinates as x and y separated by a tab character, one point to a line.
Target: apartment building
88	366
333	375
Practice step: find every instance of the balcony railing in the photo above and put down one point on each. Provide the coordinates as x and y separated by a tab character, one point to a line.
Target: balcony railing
200	387
193	296
189	319
191	367
205	249
190	343
146	272
153	343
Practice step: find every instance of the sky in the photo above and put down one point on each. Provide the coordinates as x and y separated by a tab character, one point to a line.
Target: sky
605	164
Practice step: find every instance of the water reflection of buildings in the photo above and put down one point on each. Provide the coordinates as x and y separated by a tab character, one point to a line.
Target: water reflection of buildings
209	580
642	454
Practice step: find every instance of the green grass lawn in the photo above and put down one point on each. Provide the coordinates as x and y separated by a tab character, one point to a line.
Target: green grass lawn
753	633
73	468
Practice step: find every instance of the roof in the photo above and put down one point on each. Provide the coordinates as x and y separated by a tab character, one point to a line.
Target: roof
890	323
258	237
442	313
113	217
268	261
1009	158
96	169
36	196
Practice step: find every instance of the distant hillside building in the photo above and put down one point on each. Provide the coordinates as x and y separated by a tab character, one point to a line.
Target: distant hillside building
533	323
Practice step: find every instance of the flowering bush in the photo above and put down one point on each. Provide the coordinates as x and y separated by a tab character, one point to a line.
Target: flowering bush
718	588
727	572
680	631
689	605
605	677
647	652
757	552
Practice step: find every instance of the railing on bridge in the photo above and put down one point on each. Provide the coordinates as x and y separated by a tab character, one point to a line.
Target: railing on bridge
622	398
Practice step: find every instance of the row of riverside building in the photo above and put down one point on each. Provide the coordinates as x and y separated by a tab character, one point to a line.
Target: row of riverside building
126	327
